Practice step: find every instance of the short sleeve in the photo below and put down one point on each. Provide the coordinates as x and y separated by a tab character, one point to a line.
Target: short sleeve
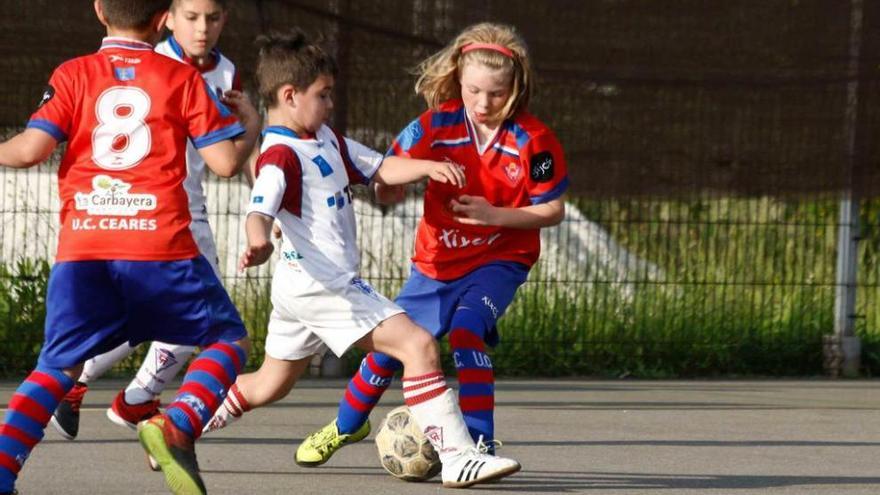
278	184
414	141
547	177
209	120
54	114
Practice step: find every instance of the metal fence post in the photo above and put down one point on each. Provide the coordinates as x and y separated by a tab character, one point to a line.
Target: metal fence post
845	344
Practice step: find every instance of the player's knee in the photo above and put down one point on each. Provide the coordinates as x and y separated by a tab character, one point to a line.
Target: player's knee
422	348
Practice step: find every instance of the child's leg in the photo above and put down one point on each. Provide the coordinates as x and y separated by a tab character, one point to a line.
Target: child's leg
364	391
160	366
476	377
26	417
433	405
99	365
272	382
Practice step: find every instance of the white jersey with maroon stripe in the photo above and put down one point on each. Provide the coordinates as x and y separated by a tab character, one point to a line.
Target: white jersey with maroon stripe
220	77
305	183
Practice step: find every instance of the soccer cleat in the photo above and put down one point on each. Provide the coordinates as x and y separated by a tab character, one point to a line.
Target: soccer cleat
125	414
318	447
174	451
472	467
65	419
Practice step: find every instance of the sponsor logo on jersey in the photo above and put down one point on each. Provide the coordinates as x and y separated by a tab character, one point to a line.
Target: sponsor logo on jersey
453	238
48	94
513	172
125	60
111	197
541	167
291	255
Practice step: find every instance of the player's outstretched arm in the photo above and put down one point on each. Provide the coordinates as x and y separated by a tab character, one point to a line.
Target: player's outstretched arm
26	149
257	226
475	210
396	170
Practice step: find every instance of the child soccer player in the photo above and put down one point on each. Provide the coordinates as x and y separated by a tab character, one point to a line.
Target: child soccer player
474	246
304	179
127	267
196	26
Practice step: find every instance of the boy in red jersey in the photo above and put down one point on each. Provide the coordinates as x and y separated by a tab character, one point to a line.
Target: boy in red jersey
127	267
195	26
475	245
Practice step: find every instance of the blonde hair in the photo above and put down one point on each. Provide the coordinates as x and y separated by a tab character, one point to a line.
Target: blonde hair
439	74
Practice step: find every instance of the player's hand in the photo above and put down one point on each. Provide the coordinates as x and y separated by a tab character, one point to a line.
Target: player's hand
474	210
447	173
240	103
389	195
255	255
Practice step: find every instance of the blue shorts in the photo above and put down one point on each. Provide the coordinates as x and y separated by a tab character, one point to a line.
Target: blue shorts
488	290
94	306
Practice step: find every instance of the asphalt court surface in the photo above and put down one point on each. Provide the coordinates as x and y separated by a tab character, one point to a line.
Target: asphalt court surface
572	436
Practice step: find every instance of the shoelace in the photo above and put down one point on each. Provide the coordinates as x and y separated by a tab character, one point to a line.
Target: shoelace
322	441
75	397
483	447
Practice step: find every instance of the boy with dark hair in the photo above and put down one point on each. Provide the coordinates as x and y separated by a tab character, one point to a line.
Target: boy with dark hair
127	267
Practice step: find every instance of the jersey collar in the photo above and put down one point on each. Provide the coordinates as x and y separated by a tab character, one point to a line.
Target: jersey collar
178	50
286	131
125	43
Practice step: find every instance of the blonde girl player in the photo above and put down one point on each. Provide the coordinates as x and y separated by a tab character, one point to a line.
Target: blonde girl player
195	27
304	178
474	245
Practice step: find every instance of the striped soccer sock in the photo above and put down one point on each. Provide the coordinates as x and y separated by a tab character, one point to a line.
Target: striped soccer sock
436	412
27	415
364	390
476	377
204	387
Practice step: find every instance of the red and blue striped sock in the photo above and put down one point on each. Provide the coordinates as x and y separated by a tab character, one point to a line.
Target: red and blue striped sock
27	415
476	377
205	386
364	390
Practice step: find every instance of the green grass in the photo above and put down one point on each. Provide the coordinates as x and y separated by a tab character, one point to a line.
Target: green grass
745	287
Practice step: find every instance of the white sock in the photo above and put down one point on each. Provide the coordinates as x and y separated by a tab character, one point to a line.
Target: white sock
436	411
99	365
234	405
160	366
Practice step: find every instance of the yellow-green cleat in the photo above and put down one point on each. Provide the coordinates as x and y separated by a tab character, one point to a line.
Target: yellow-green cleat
318	447
175	454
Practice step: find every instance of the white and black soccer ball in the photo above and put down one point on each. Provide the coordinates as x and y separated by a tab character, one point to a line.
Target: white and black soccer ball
403	449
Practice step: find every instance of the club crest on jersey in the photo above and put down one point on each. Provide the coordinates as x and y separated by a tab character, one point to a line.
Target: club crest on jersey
541	167
513	172
111	197
165	359
48	94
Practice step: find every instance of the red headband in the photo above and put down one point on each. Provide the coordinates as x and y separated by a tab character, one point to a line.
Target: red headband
487	46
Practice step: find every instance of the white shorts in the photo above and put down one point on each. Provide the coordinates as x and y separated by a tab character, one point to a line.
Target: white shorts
204	237
309	316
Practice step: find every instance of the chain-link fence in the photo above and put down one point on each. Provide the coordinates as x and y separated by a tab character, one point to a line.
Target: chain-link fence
709	145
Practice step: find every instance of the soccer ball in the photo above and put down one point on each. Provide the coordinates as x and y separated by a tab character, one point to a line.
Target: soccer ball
403	450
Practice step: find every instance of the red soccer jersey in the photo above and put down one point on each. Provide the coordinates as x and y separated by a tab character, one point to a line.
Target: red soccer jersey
127	113
523	165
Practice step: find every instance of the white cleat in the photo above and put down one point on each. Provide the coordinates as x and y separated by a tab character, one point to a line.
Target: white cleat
472	467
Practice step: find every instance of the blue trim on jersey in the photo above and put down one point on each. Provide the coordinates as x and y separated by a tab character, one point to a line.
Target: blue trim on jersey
280	130
505	150
440	144
522	137
49	128
446	119
228	132
175	47
221	107
552	194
